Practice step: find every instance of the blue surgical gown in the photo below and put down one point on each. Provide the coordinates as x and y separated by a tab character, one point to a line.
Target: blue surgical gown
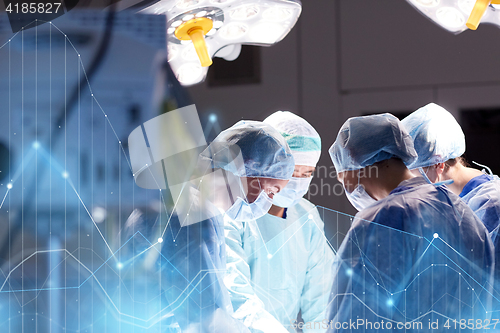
278	266
193	267
482	195
419	254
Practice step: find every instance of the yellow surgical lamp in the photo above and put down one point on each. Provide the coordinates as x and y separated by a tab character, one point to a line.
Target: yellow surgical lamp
457	16
478	12
195	30
218	28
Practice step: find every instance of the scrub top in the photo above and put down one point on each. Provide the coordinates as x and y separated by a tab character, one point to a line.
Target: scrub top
419	254
277	267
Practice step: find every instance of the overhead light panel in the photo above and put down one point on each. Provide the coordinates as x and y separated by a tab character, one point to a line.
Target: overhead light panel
459	15
205	27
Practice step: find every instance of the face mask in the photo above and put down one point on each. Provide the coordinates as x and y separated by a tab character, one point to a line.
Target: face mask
293	192
359	198
242	211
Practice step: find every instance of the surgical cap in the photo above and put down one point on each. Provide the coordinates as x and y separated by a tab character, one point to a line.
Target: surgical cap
302	138
436	135
251	149
363	141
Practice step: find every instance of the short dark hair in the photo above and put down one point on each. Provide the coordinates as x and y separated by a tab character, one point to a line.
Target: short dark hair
453	161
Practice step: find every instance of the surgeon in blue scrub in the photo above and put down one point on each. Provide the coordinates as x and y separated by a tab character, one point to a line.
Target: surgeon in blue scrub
255	163
440	143
281	263
415	254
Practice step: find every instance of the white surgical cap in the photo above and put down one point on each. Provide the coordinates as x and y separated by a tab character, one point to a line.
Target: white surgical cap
436	135
251	149
363	141
302	138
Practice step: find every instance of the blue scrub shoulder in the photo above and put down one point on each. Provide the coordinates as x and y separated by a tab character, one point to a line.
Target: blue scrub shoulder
474	183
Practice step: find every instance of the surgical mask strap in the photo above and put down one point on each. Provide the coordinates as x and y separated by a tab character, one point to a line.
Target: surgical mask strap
424	174
359	183
485	168
444	182
261	188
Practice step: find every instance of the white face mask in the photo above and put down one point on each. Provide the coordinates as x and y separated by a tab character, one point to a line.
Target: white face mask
359	198
243	211
293	192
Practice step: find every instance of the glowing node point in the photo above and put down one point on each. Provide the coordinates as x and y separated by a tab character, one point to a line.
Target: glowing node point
105	115
119	142
36	145
212	118
310	217
160	240
390	302
119	265
9	186
349	272
65	174
269	256
436	235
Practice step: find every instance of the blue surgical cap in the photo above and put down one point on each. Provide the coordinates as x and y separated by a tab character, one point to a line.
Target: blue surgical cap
251	149
436	135
363	141
302	138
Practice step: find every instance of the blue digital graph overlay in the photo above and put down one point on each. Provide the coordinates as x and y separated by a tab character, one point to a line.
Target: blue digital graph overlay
81	243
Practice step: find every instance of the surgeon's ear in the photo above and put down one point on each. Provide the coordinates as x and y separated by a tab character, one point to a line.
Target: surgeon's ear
439	168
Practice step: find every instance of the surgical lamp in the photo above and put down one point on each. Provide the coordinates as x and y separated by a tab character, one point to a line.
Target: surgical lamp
458	15
198	30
